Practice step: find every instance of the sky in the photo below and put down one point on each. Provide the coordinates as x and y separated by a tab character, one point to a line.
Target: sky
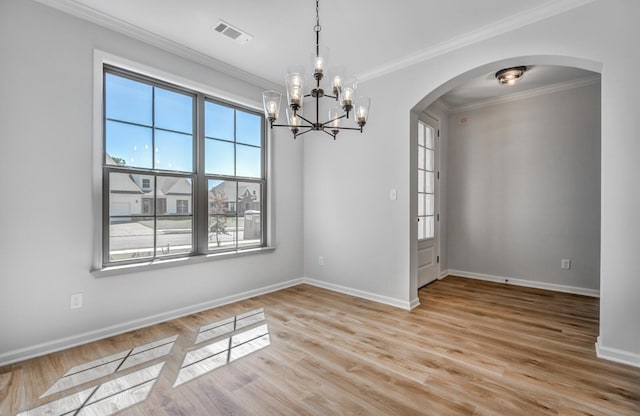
152	127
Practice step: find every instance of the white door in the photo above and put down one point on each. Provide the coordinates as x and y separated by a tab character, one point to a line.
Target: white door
428	131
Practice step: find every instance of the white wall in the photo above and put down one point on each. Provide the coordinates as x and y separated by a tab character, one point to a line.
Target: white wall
46	218
377	255
524	189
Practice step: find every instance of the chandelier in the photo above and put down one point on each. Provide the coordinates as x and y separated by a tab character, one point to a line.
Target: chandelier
343	92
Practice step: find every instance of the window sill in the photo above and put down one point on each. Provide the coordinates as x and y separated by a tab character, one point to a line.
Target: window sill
182	261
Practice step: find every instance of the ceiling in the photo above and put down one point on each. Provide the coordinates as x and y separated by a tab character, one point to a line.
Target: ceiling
536	77
369	37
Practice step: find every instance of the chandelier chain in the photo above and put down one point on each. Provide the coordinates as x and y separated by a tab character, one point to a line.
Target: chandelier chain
317	28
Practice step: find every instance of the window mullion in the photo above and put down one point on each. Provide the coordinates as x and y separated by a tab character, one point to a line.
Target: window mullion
201	191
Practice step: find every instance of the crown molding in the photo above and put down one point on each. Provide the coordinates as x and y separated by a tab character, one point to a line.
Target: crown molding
92	15
516	21
534	92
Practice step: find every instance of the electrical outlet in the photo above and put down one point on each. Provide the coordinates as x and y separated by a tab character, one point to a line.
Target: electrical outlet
321	261
566	264
76	301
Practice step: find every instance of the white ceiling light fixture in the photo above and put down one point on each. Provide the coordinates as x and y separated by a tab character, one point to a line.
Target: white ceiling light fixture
510	76
342	88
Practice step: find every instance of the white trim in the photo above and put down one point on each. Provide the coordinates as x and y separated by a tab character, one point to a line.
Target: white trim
534	92
92	15
614	354
359	293
443	274
514	22
86	337
527	283
414	303
439	104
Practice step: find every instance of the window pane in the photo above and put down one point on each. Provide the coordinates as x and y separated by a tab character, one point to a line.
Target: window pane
173	111
218	121
130	238
248	161
421	134
126	194
248	128
249	214
430	138
421	204
430	182
174	151
219	157
128	145
429	227
421	157
429	205
170	191
222	227
127	100
174	235
421	179
430	163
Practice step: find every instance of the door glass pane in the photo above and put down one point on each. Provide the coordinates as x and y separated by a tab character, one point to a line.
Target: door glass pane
249	214
430	182
420	134
428	227
173	111
128	145
175	235
421	229
430	162
218	121
421	179
421	157
248	128
127	100
429	204
174	151
421	204
248	161
222	227
219	157
430	142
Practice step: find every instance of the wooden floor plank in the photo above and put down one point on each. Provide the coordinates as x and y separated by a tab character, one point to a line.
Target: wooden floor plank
470	348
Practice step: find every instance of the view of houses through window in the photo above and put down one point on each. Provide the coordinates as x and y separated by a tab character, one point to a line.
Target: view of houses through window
154	175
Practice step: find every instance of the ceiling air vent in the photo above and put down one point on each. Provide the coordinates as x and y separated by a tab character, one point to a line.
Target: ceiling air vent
232	32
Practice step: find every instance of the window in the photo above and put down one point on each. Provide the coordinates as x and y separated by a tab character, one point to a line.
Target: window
176	164
426	181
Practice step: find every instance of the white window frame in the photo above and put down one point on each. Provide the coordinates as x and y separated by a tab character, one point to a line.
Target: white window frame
102	58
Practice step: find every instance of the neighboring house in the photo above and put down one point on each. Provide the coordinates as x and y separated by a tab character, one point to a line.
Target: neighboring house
248	197
133	194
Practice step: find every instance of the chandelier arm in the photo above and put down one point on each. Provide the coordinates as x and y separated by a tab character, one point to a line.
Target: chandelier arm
310	123
306	131
333	119
349	128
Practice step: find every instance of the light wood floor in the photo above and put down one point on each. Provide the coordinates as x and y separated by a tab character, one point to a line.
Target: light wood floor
470	348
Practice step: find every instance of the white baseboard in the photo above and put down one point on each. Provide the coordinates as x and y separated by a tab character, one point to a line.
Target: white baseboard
360	293
443	274
614	354
527	283
415	303
86	337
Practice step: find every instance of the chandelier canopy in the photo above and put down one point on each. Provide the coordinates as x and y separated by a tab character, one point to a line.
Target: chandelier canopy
343	92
